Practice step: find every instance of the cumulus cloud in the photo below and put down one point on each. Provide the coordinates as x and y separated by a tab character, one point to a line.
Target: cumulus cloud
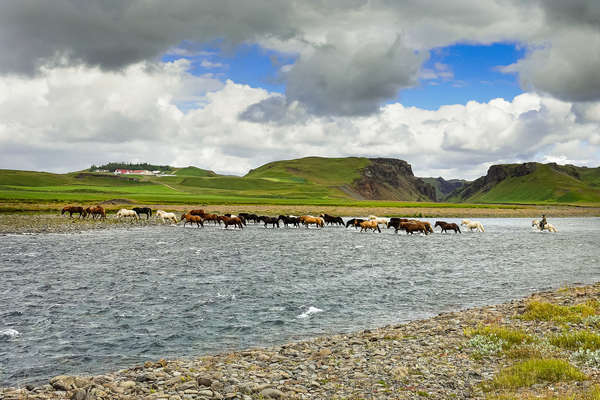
68	118
81	83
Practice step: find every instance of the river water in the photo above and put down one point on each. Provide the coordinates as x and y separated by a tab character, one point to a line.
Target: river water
104	300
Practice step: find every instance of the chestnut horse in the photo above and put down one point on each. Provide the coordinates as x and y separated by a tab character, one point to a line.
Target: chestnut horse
96	211
309	220
74	210
192	219
447	226
413	226
235	221
370	224
210	217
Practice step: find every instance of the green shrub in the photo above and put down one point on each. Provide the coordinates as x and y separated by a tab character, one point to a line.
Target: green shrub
508	336
541	311
534	371
585	340
592	393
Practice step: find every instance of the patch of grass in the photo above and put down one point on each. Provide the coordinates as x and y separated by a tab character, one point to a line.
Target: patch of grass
543	311
508	336
535	371
531	350
578	340
592	393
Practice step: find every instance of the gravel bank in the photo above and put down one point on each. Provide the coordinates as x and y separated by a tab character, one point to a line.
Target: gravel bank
431	358
55	223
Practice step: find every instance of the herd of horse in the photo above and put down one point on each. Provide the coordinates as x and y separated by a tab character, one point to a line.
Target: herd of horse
371	223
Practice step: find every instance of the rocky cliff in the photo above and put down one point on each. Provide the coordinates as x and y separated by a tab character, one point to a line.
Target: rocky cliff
495	174
392	179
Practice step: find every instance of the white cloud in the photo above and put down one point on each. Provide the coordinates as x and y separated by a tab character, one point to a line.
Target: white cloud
69	118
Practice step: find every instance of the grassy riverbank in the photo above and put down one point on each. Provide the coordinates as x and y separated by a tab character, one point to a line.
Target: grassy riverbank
546	346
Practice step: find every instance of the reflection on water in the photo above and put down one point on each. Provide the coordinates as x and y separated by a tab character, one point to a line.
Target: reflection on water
103	300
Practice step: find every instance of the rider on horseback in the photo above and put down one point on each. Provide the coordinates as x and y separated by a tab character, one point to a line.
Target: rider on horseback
543	222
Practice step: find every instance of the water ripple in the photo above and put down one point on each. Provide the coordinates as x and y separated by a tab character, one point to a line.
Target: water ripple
108	299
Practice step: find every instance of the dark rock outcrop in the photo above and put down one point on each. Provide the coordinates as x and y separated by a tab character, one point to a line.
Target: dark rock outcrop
392	179
495	175
445	187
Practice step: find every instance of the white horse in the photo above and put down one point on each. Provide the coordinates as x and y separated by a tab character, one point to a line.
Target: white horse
166	215
380	221
123	213
549	227
473	225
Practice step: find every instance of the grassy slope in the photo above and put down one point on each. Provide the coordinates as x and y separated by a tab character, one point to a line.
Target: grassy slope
545	185
330	172
193	171
311	180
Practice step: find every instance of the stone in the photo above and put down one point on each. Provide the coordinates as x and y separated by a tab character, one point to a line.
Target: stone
203	381
270	393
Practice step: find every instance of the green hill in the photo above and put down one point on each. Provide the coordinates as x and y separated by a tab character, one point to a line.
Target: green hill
324	171
193	171
533	183
355	177
311	180
307	180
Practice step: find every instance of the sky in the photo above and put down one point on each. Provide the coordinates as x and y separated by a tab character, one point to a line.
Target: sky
450	87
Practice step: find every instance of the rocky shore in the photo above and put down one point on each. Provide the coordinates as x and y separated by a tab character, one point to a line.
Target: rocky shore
438	358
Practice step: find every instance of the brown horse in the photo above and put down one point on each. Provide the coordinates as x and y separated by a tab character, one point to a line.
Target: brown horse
371	224
199	212
309	220
235	221
413	226
192	219
211	217
74	210
96	211
427	226
447	226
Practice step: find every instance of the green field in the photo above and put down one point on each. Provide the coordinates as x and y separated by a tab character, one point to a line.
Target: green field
307	181
42	187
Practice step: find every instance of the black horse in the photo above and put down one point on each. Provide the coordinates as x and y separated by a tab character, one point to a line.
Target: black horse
269	220
288	220
446	226
355	222
395	223
249	217
143	210
330	219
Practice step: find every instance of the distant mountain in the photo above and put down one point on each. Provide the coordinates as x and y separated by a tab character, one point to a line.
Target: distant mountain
532	183
443	187
355	177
